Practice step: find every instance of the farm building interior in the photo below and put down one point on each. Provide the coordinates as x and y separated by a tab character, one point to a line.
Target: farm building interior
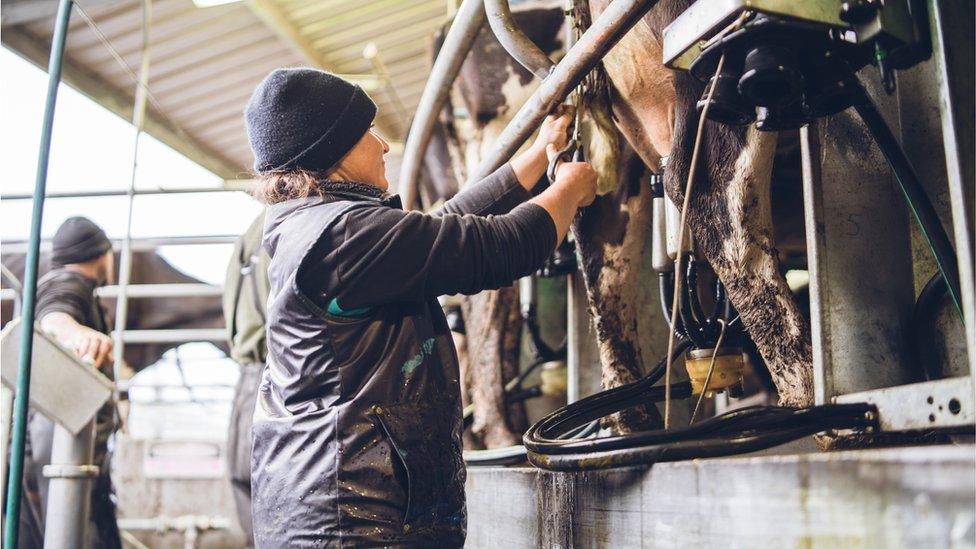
488	273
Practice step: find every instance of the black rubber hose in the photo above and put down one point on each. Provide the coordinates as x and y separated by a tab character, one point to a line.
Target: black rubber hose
666	293
739	431
693	330
524	374
690	449
595	406
542	349
923	318
918	202
691	287
722	309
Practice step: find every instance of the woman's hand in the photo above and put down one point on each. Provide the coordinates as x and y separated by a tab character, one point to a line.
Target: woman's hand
555	129
579	178
530	166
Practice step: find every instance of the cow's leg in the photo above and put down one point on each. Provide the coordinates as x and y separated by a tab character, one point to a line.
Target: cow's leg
610	235
730	211
493	328
731	220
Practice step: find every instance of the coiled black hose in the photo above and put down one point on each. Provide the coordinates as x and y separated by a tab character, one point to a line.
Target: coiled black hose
736	432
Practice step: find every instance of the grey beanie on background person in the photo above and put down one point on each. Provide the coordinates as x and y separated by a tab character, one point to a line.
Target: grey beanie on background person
305	119
77	240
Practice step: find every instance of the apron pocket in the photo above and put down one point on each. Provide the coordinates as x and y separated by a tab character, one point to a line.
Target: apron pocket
422	436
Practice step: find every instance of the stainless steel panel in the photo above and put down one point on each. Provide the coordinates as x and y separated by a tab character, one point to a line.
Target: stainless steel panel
919	406
61	387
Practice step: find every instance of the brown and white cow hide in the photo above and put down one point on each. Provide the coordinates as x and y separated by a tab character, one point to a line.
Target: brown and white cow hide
610	234
730	215
491	87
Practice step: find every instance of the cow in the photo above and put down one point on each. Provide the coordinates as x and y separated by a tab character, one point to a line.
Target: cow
155	313
730	212
490	88
653	111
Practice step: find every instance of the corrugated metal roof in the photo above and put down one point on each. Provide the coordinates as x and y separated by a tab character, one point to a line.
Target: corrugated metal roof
205	61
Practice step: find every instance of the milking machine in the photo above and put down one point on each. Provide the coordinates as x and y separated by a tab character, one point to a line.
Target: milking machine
790	63
782	66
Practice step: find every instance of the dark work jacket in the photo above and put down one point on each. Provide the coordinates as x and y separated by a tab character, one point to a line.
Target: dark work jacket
64	291
357	429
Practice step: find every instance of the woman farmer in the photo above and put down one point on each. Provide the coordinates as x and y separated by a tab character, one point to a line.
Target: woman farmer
357	429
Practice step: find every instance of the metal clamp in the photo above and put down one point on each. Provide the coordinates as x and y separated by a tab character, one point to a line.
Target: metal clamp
70	471
573	152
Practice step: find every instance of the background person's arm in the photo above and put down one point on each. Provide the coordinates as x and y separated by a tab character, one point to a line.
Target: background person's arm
87	344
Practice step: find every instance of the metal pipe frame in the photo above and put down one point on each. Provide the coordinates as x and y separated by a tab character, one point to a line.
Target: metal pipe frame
467	23
145	192
947	21
515	42
22	397
843	341
174	336
141	291
138	244
592	46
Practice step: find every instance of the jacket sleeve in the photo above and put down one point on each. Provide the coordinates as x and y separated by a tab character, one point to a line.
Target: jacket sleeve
63	296
381	255
494	195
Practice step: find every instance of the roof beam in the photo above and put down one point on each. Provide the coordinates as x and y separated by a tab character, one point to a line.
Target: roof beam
276	19
120	102
19	12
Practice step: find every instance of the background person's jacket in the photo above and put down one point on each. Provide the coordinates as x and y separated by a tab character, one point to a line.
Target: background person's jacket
245	295
358	423
245	300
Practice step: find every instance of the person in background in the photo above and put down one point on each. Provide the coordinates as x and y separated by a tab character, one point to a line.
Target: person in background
245	315
357	428
68	309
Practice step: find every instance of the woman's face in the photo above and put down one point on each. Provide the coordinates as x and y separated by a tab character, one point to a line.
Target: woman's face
365	163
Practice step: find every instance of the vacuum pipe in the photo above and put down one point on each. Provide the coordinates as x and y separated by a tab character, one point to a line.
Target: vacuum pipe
515	42
467	23
605	32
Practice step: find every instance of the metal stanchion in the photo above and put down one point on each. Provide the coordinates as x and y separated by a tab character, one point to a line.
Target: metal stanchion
69	492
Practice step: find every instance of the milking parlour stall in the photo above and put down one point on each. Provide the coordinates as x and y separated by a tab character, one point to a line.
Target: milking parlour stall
329	300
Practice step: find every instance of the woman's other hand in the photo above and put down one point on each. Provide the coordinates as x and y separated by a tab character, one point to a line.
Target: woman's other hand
555	129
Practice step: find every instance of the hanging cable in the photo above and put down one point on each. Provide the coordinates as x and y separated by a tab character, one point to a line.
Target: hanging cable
711	370
682	224
158	110
125	257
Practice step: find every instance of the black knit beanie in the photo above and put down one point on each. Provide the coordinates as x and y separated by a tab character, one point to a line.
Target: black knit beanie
77	240
305	118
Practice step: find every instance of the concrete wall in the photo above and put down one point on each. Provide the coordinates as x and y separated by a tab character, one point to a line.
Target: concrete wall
908	497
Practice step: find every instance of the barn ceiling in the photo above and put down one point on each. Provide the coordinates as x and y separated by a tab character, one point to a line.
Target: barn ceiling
204	61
